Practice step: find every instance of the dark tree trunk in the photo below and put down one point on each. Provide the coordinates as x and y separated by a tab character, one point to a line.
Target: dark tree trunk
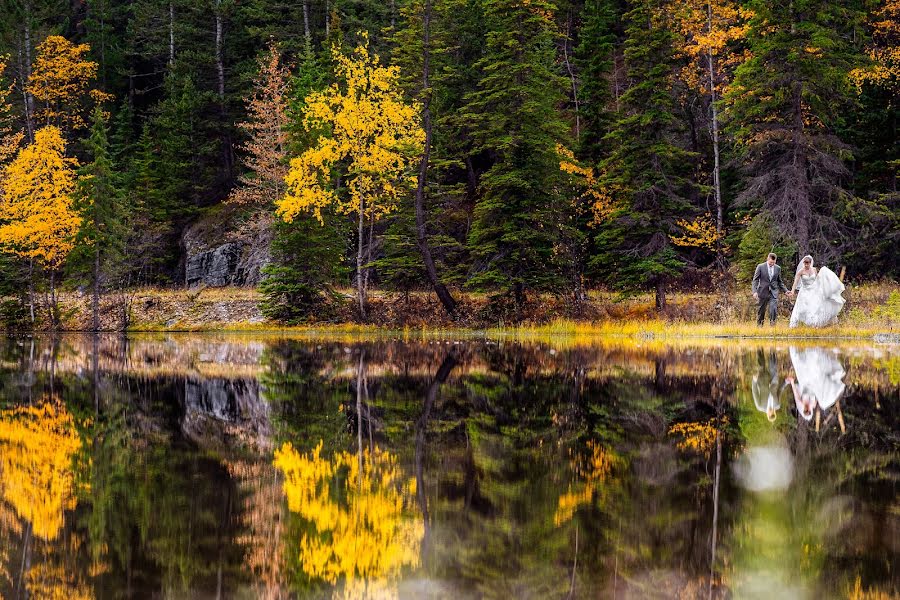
95	304
421	428
54	309
31	290
660	293
29	99
440	289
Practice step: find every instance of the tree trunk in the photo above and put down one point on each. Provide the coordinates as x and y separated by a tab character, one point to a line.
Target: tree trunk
714	117
29	99
440	289
95	304
572	75
171	34
53	307
369	244
660	293
431	394
31	290
227	151
327	18
307	34
361	232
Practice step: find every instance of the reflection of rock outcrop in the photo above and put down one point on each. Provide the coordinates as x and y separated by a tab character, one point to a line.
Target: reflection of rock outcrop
217	410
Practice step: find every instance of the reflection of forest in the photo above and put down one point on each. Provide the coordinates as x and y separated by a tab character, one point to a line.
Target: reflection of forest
451	469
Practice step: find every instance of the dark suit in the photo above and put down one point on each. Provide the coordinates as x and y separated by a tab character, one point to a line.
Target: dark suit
767	288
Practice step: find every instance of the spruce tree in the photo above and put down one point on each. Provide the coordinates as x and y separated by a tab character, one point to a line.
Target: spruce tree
646	170
595	54
515	121
783	108
101	240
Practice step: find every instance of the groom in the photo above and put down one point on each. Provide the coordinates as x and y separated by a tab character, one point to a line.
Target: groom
766	286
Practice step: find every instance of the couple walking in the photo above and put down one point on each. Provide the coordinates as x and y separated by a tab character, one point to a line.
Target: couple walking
818	298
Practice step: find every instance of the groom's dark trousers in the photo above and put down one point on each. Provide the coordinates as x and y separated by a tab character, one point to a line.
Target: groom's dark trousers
769	305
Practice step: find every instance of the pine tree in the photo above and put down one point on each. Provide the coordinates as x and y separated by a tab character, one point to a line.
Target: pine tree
265	152
103	233
646	172
517	218
783	108
595	55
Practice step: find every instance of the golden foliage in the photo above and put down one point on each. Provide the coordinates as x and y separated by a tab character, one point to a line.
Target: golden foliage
710	28
697	437
600	201
357	504
884	51
374	140
9	137
266	150
55	582
60	82
699	233
37	446
594	471
38	217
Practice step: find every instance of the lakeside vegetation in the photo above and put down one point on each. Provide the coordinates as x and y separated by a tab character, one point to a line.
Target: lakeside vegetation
872	310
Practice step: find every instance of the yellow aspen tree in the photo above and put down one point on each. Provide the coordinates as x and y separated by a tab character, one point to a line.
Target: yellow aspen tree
38	220
708	31
10	137
60	82
364	532
37	446
371	144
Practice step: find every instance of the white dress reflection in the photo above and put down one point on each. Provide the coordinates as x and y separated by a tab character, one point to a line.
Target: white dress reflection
819	380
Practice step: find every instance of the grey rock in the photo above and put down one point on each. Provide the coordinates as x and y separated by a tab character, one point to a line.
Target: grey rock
215	268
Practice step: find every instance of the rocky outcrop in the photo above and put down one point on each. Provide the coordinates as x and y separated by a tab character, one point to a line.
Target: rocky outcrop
227	248
218	410
216	268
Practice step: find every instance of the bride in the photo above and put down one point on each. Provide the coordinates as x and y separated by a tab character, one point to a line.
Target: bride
819	298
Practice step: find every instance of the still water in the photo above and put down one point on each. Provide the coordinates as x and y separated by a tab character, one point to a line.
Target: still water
204	466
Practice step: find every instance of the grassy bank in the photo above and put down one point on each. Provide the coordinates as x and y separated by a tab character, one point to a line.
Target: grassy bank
871	309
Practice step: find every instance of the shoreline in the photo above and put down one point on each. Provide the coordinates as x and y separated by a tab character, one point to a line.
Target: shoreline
649	332
872	314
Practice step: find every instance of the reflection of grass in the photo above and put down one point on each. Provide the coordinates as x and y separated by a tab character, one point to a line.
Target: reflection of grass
657	329
567	332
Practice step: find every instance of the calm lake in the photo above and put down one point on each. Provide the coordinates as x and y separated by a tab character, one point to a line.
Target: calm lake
264	466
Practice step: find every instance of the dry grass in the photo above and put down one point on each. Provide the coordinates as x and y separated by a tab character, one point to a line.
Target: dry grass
871	309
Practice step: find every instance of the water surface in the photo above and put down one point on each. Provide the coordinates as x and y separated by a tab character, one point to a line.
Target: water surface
217	466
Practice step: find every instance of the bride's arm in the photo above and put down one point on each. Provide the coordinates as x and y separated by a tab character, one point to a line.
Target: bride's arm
793	385
796	281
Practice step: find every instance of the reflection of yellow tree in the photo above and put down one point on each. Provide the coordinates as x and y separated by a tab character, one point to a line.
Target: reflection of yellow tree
56	582
365	538
594	470
37	445
697	437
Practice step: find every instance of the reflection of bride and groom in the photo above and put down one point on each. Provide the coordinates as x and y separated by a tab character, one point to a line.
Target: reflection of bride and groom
818	292
817	383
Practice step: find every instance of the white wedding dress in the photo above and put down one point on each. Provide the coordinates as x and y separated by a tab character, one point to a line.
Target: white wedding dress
820	379
819	300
